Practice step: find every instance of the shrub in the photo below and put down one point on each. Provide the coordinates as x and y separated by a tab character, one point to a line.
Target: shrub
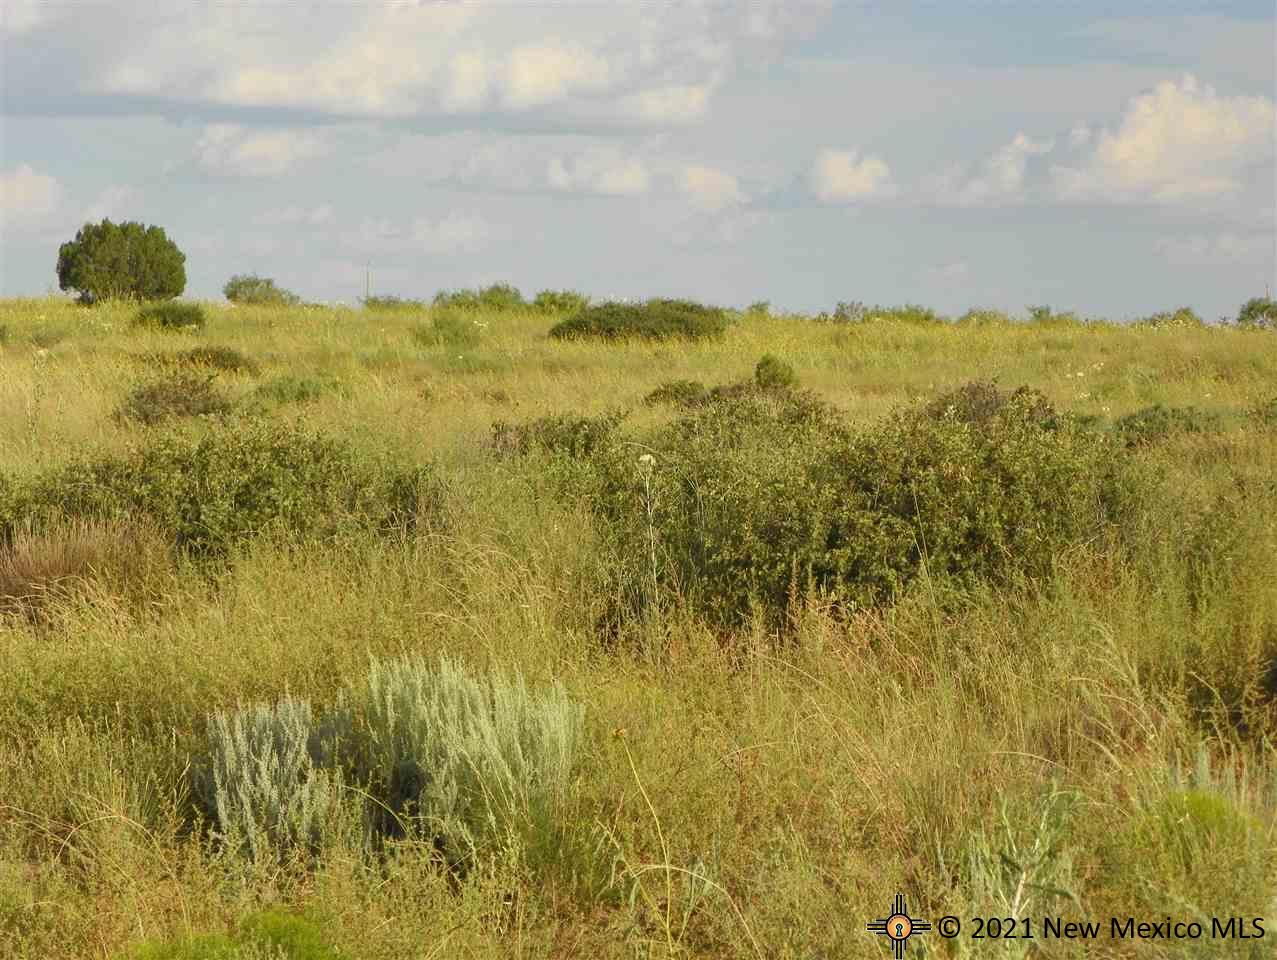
1044	314
268	935
1156	423
772	373
44	562
177	395
392	303
680	393
856	312
759	309
757	497
979	316
561	301
499	296
291	389
574	436
1184	317
448	328
125	260
171	316
226	359
1258	312
471	763
981	404
259	291
263	785
214	492
653	320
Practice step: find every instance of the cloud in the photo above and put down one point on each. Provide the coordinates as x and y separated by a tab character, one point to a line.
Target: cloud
1181	141
316	216
454	233
709	189
22	16
226	149
841	176
27	198
599	170
1002	176
468	82
538	74
678	104
112	203
1218	249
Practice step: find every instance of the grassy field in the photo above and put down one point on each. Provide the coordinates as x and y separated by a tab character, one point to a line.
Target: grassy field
1090	740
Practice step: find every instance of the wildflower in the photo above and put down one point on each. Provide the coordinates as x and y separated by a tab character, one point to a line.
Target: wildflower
647	461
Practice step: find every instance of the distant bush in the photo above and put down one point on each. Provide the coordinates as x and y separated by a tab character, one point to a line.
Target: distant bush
772	373
561	301
1184	317
856	312
760	497
1155	423
177	395
574	436
214	492
681	393
263	784
258	291
392	303
653	320
759	309
226	359
1044	314
470	763
978	316
292	389
982	404
171	316
1258	312
448	328
121	261
499	296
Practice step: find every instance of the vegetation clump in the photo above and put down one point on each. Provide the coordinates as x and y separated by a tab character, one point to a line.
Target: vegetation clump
657	319
224	359
1156	423
1183	318
171	316
680	393
267	935
1258	313
293	389
498	296
392	303
772	373
121	261
257	291
448	328
981	404
560	301
567	434
182	394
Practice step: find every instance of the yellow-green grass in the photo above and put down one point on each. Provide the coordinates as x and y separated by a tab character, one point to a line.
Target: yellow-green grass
739	796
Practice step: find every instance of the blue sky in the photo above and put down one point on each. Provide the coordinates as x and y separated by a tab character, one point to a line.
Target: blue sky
1112	159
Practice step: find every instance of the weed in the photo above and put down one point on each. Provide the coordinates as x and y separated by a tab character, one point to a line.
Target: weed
573	436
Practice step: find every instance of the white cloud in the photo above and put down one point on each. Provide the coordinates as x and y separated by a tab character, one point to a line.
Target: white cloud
1218	249
227	149
27	198
22	16
678	104
1181	141
1002	176
600	170
467	84
316	216
541	73
841	176
112	203
454	233
709	189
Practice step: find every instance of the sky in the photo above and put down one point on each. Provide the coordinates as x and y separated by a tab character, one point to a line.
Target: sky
1115	159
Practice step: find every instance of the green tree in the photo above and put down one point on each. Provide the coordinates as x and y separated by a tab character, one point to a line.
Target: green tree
1258	312
250	288
121	260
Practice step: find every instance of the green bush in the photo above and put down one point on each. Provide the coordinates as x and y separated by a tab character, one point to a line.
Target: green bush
680	393
264	786
214	492
1044	314
171	316
451	328
226	359
176	395
981	404
499	296
856	312
121	261
477	765
258	291
1152	424
772	373
761	496
574	436
1258	312
268	935
1184	317
653	320
561	301
392	303
292	389
980	316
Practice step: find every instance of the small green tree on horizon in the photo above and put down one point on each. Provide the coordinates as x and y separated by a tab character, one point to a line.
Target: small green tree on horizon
121	261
